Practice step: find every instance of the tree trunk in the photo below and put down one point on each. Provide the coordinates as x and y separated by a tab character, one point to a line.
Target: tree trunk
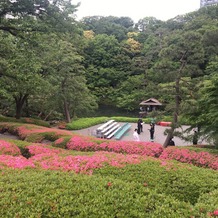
40	114
66	111
177	102
175	115
19	104
66	104
27	108
46	117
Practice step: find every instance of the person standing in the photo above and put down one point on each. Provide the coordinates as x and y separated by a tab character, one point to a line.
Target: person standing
195	138
151	132
136	135
140	126
171	142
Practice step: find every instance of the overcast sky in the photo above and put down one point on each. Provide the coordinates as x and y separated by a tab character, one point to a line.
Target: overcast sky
136	9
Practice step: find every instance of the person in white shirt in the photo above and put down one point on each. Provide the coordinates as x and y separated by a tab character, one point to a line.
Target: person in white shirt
136	135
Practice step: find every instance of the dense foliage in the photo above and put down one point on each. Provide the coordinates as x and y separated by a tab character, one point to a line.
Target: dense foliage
54	67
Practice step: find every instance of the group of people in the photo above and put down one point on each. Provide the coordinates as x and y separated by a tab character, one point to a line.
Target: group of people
139	129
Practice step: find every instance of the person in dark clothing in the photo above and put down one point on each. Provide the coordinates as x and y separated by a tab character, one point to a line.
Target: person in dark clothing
195	138
171	142
151	131
140	126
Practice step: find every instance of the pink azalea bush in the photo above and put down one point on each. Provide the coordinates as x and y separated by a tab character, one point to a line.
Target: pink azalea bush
9	148
59	141
18	162
35	149
45	157
84	164
128	147
202	159
26	130
215	213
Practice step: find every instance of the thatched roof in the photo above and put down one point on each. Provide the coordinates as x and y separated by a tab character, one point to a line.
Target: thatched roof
151	101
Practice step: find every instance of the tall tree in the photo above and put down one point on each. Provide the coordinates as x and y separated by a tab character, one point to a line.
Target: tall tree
67	73
116	26
41	15
182	56
204	111
21	76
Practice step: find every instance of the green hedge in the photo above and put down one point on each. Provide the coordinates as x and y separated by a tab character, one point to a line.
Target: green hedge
86	122
182	181
145	190
55	194
82	123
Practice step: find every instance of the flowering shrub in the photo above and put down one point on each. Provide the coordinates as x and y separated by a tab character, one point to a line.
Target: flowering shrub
35	149
69	140
26	130
61	142
83	164
33	133
46	157
202	159
9	148
215	213
18	162
128	147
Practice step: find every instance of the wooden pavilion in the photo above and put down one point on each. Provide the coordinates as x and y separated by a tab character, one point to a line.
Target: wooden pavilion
149	105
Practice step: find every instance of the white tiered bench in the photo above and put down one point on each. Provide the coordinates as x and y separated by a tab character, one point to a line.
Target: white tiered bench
110	133
114	132
100	130
112	129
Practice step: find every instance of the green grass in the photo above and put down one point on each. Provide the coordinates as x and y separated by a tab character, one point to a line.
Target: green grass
86	122
82	123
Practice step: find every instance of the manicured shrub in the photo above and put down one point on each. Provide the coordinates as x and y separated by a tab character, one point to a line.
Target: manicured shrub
202	159
182	181
82	123
61	142
207	205
128	147
33	133
24	120
52	194
85	122
8	148
34	138
15	162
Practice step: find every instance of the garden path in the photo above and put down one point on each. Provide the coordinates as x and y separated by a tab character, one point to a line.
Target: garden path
144	136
